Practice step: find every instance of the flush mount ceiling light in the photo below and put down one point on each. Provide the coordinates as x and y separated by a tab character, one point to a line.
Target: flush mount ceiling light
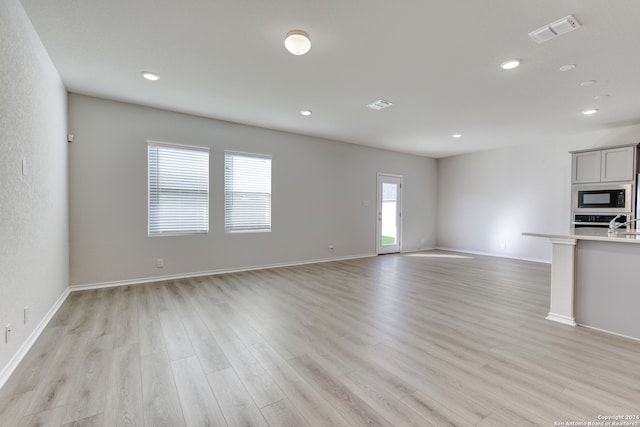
297	42
510	64
590	112
150	76
456	135
305	112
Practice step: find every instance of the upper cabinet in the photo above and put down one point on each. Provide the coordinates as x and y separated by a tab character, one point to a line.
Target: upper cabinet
586	167
617	164
608	165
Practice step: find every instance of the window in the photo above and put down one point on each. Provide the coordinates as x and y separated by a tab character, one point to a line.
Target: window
247	192
178	189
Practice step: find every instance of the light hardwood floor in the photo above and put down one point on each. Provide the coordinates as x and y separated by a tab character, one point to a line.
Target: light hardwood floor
431	338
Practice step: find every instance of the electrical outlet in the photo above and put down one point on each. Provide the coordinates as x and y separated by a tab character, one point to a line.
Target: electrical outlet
7	333
160	263
26	314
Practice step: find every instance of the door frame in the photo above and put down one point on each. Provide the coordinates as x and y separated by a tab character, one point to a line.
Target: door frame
379	179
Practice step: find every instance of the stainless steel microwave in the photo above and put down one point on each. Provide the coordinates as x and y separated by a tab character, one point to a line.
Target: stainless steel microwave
602	198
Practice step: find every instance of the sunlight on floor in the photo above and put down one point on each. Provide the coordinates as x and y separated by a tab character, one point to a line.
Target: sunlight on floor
423	255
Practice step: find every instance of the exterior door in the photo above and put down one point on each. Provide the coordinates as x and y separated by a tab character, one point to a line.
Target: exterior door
389	232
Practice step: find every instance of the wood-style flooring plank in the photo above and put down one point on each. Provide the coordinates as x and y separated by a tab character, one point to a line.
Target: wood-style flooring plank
283	414
88	391
206	347
93	421
126	327
236	404
124	405
351	407
392	409
105	312
12	408
49	418
175	337
178	292
199	405
150	331
161	405
83	322
56	386
255	379
31	372
506	417
306	399
162	296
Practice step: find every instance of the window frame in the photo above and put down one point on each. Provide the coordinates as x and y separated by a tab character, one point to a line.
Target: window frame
178	231
257	228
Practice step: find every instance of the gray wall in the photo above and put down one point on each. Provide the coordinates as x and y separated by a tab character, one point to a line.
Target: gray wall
34	263
486	200
319	192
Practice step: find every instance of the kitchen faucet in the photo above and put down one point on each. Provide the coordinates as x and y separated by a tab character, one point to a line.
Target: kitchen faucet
613	225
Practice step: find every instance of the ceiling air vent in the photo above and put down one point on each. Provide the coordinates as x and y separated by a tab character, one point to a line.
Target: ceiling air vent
555	29
379	104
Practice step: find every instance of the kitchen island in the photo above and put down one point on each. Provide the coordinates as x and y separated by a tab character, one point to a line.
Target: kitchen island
595	279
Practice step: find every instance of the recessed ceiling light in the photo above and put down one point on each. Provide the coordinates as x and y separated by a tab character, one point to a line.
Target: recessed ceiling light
590	112
588	83
150	76
510	64
456	135
380	104
305	112
568	67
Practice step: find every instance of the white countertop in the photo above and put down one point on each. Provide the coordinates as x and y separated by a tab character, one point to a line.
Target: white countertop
597	234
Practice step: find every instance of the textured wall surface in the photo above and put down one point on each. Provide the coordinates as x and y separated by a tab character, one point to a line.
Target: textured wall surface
34	250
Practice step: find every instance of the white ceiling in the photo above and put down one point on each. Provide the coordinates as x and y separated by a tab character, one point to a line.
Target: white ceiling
437	61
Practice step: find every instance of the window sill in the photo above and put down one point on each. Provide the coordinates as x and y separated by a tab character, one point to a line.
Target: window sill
256	230
178	233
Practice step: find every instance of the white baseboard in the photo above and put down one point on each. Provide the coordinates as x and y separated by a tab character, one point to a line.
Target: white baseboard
609	332
561	319
152	279
464	251
26	346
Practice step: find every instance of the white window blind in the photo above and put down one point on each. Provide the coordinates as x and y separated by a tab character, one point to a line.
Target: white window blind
247	191
178	189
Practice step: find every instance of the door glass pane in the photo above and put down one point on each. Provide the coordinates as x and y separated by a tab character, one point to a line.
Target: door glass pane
389	226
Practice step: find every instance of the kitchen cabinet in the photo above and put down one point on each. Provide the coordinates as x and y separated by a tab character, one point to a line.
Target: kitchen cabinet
586	167
607	165
617	164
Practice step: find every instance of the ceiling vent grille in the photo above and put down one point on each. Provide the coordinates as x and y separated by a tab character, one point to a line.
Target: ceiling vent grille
379	104
555	29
